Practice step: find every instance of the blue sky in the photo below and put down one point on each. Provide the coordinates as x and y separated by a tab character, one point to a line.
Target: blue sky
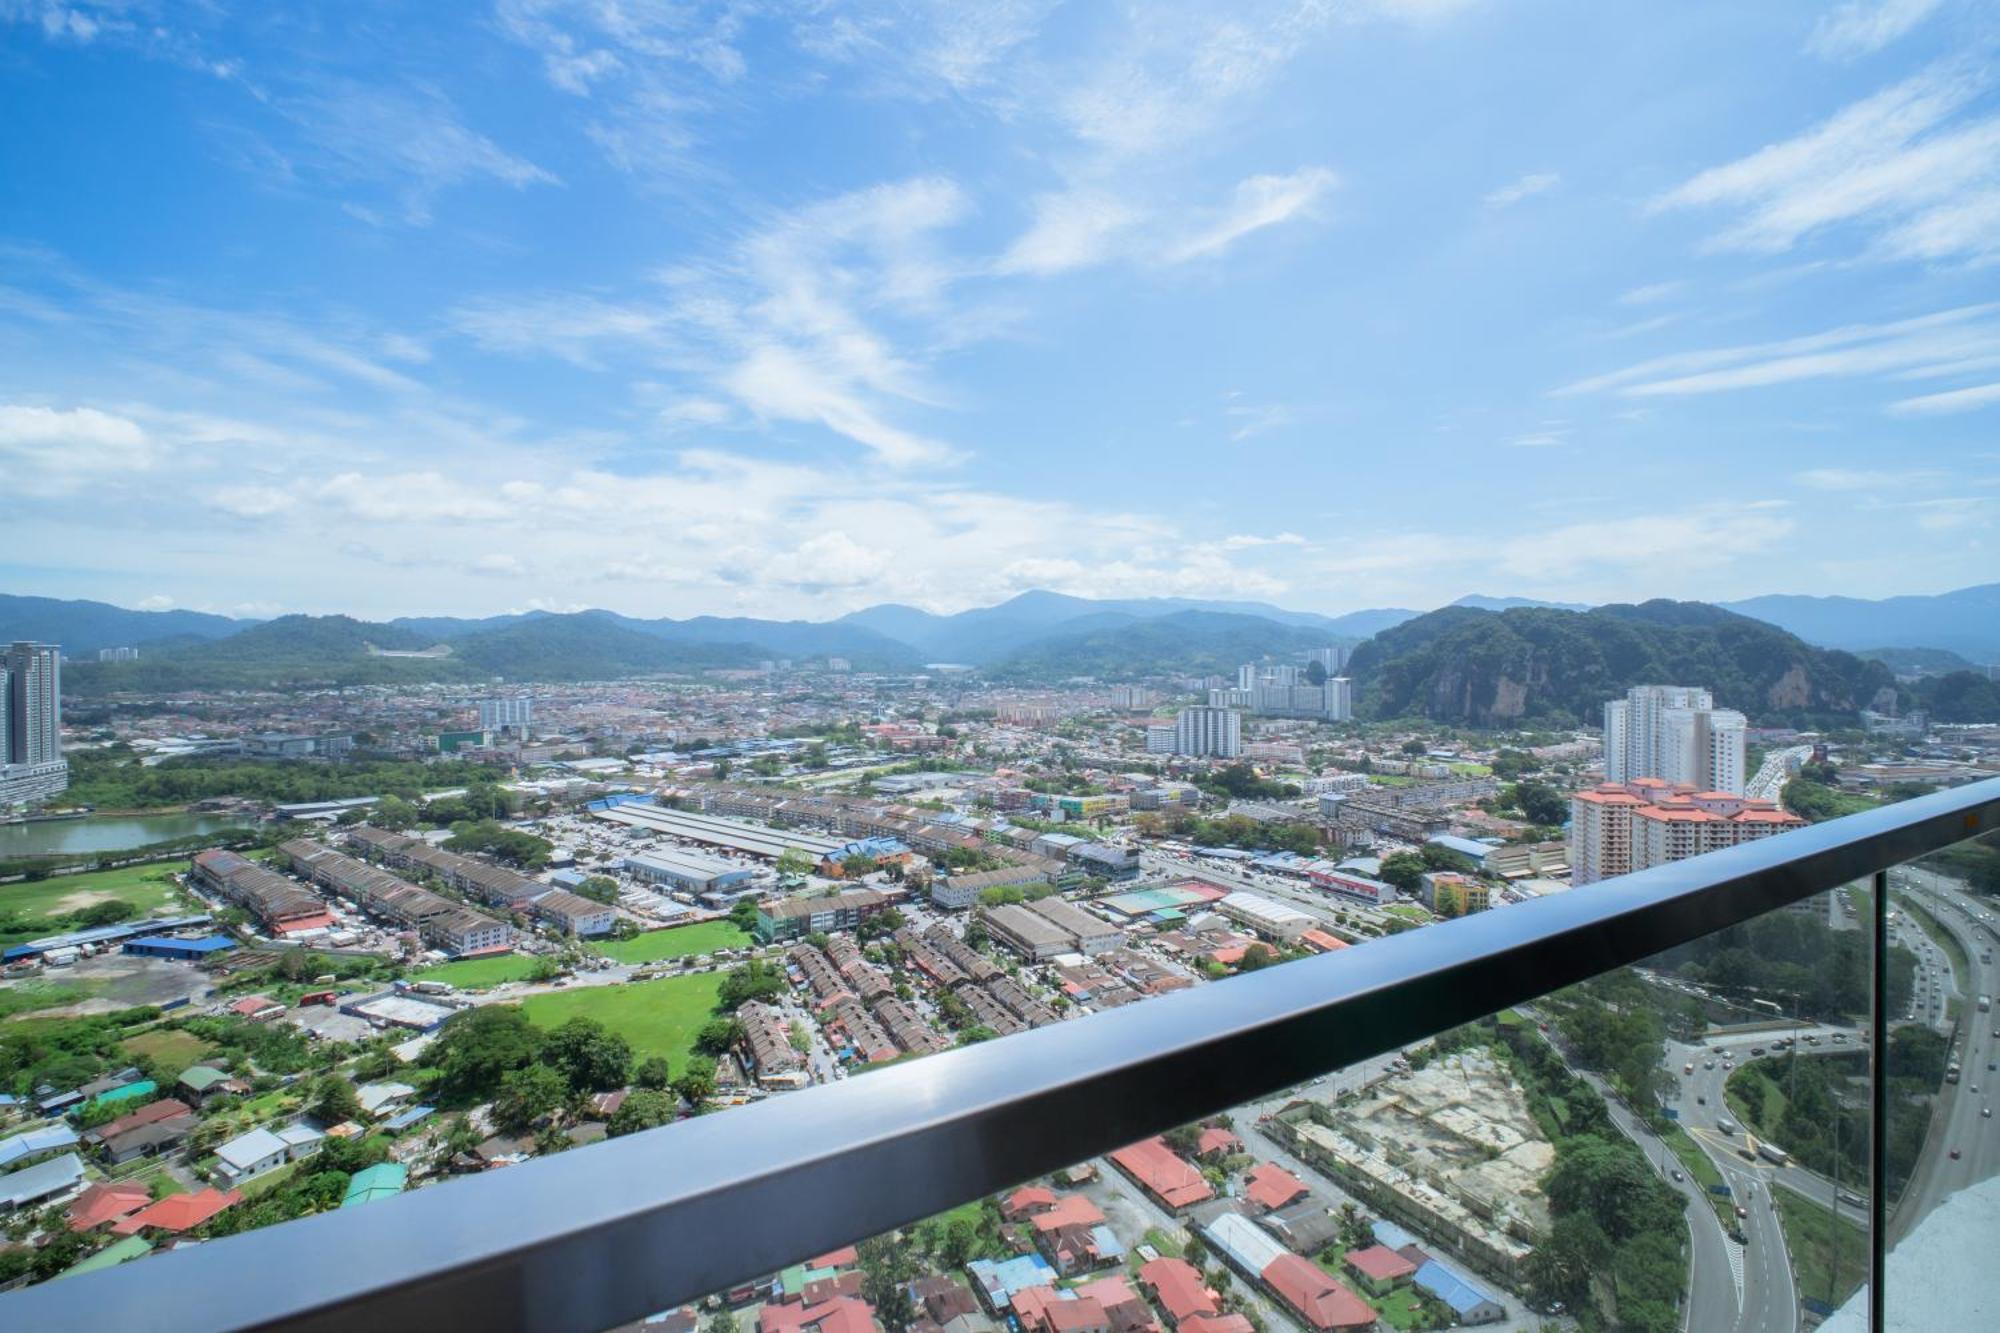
788	308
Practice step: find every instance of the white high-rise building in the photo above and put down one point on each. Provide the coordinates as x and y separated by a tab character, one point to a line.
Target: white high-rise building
503	714
1209	731
1676	733
31	764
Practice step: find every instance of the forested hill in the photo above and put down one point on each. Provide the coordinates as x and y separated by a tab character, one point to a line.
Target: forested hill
1534	664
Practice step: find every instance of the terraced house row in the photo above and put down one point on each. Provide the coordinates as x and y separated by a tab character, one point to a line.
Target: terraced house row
440	922
283	907
495	885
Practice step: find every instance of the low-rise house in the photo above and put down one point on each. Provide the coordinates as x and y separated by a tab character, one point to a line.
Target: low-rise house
41	1183
1176	1286
1470	1303
262	1150
1271	1187
380	1181
32	1143
1216	1142
1379	1268
1159	1171
845	1314
1316	1298
1123	1308
198	1084
177	1212
106	1202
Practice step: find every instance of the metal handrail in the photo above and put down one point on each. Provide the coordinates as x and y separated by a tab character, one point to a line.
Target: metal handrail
600	1236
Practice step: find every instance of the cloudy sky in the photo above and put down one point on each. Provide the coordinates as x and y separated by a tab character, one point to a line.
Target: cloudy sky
786	307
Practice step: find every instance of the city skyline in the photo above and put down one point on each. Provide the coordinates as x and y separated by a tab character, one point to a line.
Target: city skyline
798	311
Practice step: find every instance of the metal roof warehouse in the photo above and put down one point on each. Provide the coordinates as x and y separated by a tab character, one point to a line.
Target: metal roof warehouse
737	834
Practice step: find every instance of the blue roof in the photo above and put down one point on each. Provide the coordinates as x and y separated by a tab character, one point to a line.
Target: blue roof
1478	851
1455	1290
212	944
1388	1233
29	1142
1003	1279
404	1119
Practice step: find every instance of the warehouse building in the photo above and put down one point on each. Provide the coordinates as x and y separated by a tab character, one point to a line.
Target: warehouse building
1092	934
1027	933
691	872
179	951
738	835
1265	915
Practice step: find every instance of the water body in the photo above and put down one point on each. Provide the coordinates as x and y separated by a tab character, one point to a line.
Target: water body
103	833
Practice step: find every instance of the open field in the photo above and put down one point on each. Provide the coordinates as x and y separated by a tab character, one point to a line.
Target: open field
675	942
169	1048
149	888
479	973
27	997
656	1017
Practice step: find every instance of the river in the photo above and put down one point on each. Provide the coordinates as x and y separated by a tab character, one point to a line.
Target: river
103	833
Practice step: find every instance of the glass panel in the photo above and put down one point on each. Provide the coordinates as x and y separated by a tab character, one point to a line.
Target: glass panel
1677	1145
1943	1148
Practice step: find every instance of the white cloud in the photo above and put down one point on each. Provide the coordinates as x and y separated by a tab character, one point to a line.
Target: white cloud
252	501
1860	479
1941	404
1652	293
1070	230
780	383
1903	164
1687	542
55	451
1258	202
1859	27
409	497
1945	341
1534	183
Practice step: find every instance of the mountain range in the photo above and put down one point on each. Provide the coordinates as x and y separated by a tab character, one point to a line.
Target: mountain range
1034	636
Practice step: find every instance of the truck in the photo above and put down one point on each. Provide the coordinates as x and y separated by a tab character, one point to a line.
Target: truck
1726	1125
1773	1154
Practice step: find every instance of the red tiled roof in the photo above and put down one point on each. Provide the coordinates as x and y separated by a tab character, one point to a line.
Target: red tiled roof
1071	1210
1216	1139
1176	1284
1217	1323
1028	1199
1065	1316
106	1202
1273	1187
844	1257
848	1314
1379	1263
1322	1302
1321	941
1029	1302
1155	1166
177	1212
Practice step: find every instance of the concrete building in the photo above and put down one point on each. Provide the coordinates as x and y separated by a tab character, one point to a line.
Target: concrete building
1213	732
281	906
691	872
32	768
117	654
574	914
794	918
1619	828
515	714
1030	934
1675	733
1092	934
1265	916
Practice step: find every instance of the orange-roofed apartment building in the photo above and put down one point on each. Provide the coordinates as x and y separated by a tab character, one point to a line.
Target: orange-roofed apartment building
1619	827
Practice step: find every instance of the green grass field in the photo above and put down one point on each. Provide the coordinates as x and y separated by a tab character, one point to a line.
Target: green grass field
25	997
149	888
1832	1264
676	942
656	1017
171	1049
479	973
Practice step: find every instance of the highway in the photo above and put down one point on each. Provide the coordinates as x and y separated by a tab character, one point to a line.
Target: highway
1771	775
1960	1123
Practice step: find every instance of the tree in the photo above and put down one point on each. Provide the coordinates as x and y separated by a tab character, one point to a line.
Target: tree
544	968
527	1095
1183	1138
1315	673
599	888
1257	957
794	861
1541	803
590	1057
718	1035
697	1082
644	1108
754	980
653	1072
1405	870
886	1271
743	915
476	1048
333	1100
1415	748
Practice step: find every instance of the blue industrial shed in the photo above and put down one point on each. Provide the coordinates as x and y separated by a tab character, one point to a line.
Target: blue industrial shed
1468	1302
181	951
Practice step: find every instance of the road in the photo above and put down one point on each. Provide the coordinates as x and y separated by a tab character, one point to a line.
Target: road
1771	775
1960	1122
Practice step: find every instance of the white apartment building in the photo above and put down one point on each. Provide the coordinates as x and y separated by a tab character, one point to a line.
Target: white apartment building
1677	734
1209	731
502	714
32	767
1618	828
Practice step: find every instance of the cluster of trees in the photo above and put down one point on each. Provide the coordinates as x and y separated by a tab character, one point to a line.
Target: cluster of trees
113	778
1241	782
754	980
65	1054
1406	870
1792	959
1243	831
599	888
530	1075
501	843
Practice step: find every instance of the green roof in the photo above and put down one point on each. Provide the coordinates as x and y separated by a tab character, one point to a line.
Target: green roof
202	1077
143	1088
375	1182
110	1256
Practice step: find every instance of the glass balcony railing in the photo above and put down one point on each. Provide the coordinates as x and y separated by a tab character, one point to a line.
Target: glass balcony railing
1746	1091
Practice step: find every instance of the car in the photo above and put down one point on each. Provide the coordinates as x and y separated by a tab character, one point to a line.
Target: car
1700	1100
1954	1154
1729	1064
1678	1177
1756	1051
1985	1113
1708	1064
1742	1212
